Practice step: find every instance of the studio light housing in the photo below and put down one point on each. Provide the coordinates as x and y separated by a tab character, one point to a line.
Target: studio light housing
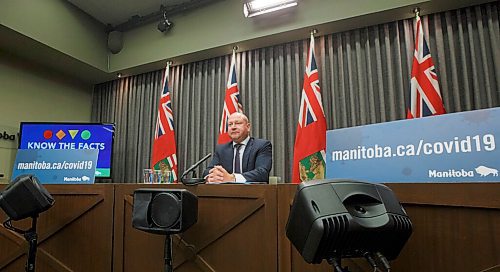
258	7
165	24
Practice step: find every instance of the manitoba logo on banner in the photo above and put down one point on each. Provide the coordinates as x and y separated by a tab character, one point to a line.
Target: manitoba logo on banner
310	141
425	96
232	102
164	155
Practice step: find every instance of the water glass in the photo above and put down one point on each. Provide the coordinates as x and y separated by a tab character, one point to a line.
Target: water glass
147	176
164	176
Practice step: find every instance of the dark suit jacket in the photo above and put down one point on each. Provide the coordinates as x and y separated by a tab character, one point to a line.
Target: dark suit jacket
257	159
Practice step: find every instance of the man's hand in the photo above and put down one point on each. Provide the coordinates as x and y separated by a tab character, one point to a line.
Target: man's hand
219	174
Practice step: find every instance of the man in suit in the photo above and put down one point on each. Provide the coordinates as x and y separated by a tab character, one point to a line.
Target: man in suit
243	159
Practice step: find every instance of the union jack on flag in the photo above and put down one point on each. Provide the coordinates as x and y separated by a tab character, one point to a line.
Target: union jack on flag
310	141
164	155
310	102
165	119
231	102
425	96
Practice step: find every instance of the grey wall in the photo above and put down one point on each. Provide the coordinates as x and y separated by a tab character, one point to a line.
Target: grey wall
32	93
58	25
75	43
222	24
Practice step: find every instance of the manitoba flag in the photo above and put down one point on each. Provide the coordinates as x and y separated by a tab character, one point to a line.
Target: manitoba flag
164	151
310	141
425	97
231	102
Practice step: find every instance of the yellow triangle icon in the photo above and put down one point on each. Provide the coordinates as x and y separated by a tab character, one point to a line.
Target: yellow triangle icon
73	132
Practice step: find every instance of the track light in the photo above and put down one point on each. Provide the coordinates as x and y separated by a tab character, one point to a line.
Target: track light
165	25
257	7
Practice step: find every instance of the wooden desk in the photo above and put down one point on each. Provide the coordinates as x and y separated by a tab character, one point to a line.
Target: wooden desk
242	228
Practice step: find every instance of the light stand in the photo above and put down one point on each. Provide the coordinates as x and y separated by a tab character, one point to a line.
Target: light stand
168	253
336	263
31	237
164	211
25	197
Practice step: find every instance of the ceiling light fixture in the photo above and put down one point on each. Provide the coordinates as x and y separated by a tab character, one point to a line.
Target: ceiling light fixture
165	25
258	7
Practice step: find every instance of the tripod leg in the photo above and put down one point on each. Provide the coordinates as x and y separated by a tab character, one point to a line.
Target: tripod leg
168	254
32	239
336	264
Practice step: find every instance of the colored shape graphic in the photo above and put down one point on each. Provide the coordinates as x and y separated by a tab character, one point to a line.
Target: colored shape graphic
60	134
47	134
85	134
73	133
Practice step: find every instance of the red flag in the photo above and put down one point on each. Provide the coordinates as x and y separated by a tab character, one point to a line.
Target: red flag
164	150
425	97
310	141
231	102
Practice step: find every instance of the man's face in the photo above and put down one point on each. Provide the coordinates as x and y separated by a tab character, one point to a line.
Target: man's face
239	128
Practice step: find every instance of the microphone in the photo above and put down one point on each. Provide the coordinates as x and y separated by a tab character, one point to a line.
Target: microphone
194	181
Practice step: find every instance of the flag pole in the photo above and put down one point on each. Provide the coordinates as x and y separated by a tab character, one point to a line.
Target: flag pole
417	12
313	31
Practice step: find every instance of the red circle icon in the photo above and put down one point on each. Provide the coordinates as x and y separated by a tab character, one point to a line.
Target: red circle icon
47	134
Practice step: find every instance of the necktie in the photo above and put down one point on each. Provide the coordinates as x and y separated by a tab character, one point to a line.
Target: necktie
237	167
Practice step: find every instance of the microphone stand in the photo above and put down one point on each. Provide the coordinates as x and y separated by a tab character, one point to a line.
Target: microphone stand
193	180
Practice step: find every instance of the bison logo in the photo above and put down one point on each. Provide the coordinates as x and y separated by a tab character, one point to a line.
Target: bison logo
486	171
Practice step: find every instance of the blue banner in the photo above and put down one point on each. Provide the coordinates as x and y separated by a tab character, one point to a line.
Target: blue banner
456	147
59	166
36	135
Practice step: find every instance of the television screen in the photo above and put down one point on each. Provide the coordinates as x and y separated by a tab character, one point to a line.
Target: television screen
35	135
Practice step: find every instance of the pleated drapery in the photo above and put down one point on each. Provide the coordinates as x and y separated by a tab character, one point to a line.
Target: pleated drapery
364	79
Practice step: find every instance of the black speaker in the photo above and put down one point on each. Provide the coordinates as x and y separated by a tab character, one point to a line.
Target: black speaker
25	197
344	218
164	211
115	41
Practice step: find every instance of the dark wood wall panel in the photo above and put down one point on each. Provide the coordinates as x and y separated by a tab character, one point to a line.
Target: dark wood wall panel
236	229
456	228
74	235
242	228
451	239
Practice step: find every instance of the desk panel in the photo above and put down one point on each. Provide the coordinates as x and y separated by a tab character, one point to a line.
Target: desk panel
73	235
236	231
456	227
242	228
